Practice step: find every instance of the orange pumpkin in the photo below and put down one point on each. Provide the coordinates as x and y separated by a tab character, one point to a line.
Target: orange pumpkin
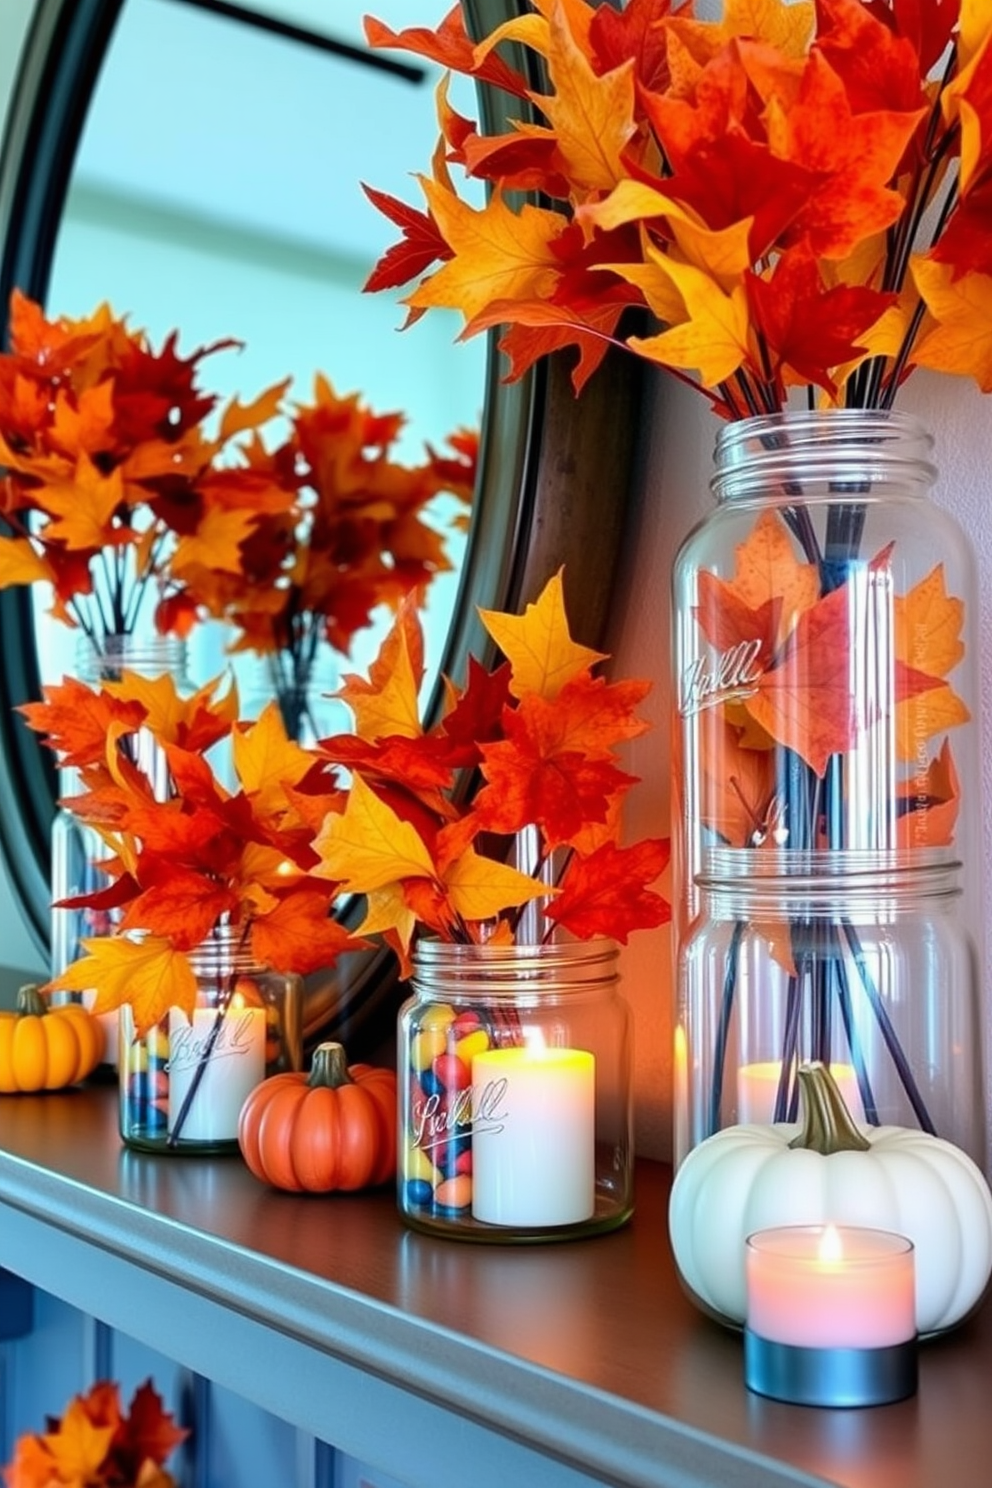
46	1048
332	1129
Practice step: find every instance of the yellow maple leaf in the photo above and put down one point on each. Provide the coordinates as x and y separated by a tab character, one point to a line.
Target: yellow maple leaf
538	644
592	114
787	27
387	702
974	29
78	1448
368	846
480	888
527	30
81	504
19	563
387	909
147	974
499	254
724	252
713	339
266	760
961	341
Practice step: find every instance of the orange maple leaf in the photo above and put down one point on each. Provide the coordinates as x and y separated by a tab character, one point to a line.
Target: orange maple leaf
928	804
78	1448
150	975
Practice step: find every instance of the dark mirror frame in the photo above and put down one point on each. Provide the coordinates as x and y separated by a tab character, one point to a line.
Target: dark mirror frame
553	478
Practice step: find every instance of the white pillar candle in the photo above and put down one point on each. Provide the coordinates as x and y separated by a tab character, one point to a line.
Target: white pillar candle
757	1089
533	1136
830	1286
236	1064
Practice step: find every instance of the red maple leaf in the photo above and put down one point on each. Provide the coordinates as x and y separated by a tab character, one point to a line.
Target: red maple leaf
607	893
420	247
808	329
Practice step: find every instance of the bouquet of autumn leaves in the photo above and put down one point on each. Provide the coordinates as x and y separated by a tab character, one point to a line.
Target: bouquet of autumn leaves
96	1444
202	857
116	495
800	194
425	827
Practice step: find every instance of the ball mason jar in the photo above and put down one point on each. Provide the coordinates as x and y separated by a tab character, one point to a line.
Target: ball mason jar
182	1085
77	847
515	1111
826	718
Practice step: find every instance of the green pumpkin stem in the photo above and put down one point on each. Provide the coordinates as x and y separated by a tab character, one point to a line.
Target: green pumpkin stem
827	1123
329	1066
30	1003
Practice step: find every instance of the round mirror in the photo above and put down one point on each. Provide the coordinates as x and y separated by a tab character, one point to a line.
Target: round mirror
144	165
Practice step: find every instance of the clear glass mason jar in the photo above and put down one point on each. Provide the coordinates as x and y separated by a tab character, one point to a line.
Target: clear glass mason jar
826	687
183	1084
76	847
854	959
515	1104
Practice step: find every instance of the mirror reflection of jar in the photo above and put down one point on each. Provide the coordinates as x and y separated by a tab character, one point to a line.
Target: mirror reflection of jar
77	847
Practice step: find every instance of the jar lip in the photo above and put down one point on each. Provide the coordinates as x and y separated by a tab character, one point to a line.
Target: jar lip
808	868
862	446
95	654
431	953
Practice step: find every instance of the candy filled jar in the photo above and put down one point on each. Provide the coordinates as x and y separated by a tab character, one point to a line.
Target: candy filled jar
515	1109
182	1084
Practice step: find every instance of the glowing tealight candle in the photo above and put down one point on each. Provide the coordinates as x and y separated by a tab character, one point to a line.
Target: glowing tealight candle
830	1286
533	1136
234	1066
757	1090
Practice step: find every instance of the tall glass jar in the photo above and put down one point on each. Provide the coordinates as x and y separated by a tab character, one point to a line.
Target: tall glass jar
76	846
515	1092
825	662
183	1084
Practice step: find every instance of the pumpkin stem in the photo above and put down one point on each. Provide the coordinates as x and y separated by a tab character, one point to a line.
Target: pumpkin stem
828	1125
329	1066
30	1003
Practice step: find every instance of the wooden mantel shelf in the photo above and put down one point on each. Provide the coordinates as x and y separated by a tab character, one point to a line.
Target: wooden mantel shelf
443	1362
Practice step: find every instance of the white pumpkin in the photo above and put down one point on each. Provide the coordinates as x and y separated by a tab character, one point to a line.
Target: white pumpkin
749	1178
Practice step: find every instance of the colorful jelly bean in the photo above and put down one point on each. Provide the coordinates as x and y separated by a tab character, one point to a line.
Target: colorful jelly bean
452	1072
454	1193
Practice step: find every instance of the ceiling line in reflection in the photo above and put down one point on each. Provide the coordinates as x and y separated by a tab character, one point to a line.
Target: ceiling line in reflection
95	205
289	31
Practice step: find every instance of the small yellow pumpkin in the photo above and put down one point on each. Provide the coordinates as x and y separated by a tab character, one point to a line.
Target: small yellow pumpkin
46	1048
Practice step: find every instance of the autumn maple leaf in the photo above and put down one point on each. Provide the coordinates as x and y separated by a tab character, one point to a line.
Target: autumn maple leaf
607	893
538	644
78	1448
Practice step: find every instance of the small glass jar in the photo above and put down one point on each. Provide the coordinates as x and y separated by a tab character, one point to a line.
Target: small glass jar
77	847
183	1084
856	960
515	1106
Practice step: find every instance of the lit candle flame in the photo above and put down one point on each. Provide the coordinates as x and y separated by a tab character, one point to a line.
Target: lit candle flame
830	1248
